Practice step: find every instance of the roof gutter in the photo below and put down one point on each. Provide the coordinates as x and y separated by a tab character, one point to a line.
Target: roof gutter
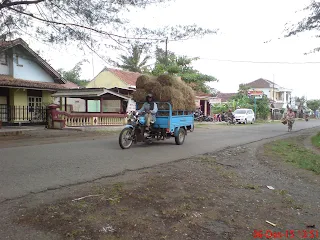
32	88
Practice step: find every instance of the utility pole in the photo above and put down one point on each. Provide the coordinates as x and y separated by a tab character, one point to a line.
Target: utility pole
273	89
273	98
255	106
166	51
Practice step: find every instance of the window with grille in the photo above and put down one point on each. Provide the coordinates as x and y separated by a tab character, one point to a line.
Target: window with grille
3	58
34	103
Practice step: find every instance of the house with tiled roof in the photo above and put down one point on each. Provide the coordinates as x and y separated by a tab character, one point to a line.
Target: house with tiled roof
26	83
224	97
114	78
279	96
70	104
203	102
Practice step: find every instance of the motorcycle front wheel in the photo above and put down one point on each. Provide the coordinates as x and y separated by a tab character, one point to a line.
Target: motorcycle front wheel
126	138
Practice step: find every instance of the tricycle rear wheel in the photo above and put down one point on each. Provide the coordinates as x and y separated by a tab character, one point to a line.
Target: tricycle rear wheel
181	136
126	138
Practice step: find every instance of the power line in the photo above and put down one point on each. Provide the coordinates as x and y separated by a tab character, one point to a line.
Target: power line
258	62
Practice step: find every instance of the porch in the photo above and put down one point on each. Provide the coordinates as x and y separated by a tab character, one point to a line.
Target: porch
103	107
21	105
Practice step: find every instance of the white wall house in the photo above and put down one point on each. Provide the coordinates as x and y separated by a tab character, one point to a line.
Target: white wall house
26	83
280	96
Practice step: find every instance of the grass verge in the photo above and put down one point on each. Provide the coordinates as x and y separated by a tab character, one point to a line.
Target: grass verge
291	151
316	140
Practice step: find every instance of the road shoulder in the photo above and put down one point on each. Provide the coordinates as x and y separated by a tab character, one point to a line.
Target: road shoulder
221	195
47	136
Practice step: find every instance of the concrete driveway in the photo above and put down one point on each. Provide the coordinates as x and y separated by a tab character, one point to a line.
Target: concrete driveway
32	169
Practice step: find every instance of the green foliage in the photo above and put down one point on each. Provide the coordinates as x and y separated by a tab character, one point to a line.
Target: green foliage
291	151
181	66
310	23
220	108
313	104
86	23
74	74
316	140
133	61
241	100
263	109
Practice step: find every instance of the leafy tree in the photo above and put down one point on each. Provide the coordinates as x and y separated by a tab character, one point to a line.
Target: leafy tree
243	90
85	23
242	100
133	61
74	74
301	101
181	66
220	108
213	91
263	109
313	104
309	23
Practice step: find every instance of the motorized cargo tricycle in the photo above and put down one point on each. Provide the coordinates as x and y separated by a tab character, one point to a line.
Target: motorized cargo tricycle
168	124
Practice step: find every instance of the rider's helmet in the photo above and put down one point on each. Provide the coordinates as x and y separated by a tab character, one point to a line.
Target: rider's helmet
149	97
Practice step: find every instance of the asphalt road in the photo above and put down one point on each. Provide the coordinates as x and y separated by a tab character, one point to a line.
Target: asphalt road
32	169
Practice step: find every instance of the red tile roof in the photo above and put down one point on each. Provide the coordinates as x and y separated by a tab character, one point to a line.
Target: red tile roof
71	85
128	77
8	81
202	94
225	97
260	83
4	44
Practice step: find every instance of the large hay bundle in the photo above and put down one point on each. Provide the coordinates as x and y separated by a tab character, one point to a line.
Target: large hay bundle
168	80
143	80
174	96
189	97
166	88
153	87
139	95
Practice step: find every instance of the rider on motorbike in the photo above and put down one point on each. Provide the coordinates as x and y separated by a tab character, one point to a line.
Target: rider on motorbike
230	116
150	109
290	116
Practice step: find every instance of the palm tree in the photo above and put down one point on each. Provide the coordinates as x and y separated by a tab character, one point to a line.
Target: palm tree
133	62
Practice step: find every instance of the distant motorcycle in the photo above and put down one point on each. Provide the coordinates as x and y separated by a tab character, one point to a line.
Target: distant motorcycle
231	121
198	117
208	119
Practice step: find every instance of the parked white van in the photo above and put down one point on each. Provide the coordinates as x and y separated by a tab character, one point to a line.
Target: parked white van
244	115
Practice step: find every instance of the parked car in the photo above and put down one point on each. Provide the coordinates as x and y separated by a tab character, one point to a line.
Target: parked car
244	115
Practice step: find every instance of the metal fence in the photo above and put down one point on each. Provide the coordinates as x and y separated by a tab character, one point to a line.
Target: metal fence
14	114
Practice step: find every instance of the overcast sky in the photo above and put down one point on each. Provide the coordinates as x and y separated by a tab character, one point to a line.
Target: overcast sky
243	26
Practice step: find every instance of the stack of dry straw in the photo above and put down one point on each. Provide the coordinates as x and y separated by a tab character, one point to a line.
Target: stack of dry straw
166	88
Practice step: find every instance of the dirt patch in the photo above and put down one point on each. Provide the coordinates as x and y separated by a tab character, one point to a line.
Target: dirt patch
223	195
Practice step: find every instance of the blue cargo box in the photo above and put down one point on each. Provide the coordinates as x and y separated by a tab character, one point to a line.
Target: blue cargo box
171	120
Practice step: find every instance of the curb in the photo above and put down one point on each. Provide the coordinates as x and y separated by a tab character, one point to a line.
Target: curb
14	132
10	133
88	129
